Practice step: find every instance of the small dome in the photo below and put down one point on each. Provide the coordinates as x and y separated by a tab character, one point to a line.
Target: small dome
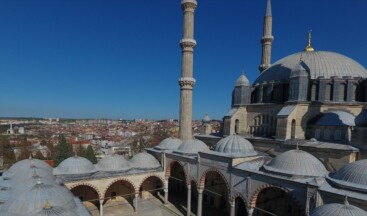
242	81
353	175
361	119
296	162
335	209
33	198
235	144
54	211
23	176
29	163
170	143
192	147
144	161
113	163
206	119
336	118
75	165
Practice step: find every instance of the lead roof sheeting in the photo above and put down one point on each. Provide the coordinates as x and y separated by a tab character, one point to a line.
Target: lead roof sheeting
286	111
336	118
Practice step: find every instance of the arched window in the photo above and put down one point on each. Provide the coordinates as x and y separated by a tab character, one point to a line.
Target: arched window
293	129
236	126
328	93
314	92
342	93
317	134
327	134
337	134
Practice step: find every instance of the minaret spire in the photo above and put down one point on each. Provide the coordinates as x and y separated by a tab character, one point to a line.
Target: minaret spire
309	48
267	38
187	81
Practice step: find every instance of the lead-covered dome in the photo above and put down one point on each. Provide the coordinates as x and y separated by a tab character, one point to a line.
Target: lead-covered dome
235	144
170	143
75	166
353	175
242	81
336	209
192	147
34	198
113	163
319	63
144	161
298	163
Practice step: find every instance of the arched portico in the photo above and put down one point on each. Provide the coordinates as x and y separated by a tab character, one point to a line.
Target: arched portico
122	192
89	195
213	194
151	186
274	200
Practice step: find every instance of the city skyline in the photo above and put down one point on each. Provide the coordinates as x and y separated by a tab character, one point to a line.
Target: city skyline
117	59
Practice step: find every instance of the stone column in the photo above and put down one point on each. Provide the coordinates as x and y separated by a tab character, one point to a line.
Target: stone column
232	205
200	202
101	207
187	81
188	200
250	211
136	202
166	192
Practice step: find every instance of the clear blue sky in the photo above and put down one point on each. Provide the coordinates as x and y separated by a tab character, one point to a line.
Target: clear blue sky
121	59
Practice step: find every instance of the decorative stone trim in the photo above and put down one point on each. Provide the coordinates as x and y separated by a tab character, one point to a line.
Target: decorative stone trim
136	190
202	179
186	82
100	195
252	202
169	167
153	175
240	195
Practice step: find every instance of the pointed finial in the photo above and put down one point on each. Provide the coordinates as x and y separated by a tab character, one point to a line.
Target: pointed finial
34	173
309	47
297	147
346	200
75	154
268	8
301	58
30	156
47	205
243	71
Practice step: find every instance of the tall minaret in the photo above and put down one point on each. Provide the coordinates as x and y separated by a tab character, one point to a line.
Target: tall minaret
267	39
187	81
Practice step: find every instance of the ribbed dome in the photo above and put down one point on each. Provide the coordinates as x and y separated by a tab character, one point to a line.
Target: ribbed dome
34	198
296	162
144	161
28	163
75	165
170	143
336	209
25	175
319	63
353	175
235	144
192	147
113	163
54	211
242	81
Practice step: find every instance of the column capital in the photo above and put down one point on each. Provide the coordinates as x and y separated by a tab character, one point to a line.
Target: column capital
189	5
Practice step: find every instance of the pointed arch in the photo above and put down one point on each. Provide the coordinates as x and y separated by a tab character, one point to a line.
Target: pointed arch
124	180
202	179
95	188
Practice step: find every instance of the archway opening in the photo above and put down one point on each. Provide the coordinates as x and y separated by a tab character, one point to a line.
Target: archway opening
120	193
177	188
215	195
88	195
275	201
152	187
237	126
240	206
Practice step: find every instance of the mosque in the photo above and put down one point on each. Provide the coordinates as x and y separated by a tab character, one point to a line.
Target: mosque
309	94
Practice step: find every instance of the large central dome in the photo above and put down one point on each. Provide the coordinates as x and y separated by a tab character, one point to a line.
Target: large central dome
320	63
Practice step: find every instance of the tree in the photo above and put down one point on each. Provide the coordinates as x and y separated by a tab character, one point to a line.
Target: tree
63	150
39	156
7	151
90	155
81	151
